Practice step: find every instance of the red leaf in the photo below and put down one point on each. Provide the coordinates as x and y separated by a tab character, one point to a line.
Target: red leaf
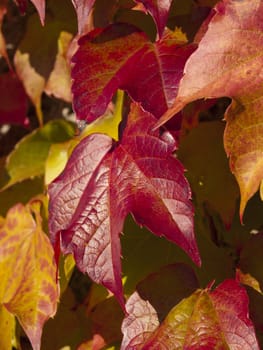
159	10
13	107
121	57
231	65
83	8
205	320
90	200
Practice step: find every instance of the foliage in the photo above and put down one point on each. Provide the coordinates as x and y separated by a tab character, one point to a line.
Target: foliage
123	223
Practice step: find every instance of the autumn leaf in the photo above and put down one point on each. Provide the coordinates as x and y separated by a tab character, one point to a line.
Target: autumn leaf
28	158
7	331
91	198
130	62
149	304
159	10
59	81
13	107
28	273
205	320
230	65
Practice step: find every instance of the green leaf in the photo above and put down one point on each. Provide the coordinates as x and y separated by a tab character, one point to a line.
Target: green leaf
28	158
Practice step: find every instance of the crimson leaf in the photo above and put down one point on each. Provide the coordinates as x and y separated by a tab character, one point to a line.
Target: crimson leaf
206	320
150	72
91	198
159	10
13	107
231	65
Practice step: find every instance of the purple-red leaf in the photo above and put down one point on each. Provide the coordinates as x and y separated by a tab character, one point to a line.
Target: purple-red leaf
121	57
83	8
228	62
206	320
159	10
90	200
13	107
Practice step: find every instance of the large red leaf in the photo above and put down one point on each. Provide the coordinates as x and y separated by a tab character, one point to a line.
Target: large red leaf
83	8
231	65
206	320
159	10
121	57
90	200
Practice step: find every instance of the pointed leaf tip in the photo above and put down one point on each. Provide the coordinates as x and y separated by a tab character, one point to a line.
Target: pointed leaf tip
91	198
28	273
205	320
159	10
207	74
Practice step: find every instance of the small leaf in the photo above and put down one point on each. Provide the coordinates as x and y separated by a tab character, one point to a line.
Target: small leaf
130	62
83	8
33	82
13	107
28	272
230	65
248	280
206	320
59	81
91	198
29	156
141	321
159	10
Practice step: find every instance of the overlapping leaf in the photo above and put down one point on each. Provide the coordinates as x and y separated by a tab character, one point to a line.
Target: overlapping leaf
89	201
150	72
205	320
29	156
159	10
231	65
28	273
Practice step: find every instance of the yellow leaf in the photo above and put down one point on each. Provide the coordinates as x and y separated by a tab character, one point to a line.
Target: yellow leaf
28	286
7	329
59	81
33	82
